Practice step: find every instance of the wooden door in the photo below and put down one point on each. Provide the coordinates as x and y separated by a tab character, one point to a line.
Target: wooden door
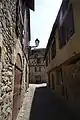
71	77
17	89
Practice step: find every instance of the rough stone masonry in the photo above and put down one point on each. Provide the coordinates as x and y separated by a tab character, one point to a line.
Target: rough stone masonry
10	46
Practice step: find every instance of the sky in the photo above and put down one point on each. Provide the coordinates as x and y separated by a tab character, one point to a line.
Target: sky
42	20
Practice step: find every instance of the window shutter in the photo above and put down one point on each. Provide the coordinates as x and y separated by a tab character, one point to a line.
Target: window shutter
70	23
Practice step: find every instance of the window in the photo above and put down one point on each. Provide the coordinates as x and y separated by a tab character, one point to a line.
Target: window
39	69
35	69
61	18
38	78
65	6
38	60
53	85
53	49
49	56
70	23
62	36
46	61
59	76
67	28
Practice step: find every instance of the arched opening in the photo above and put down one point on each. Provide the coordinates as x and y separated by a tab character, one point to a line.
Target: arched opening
17	87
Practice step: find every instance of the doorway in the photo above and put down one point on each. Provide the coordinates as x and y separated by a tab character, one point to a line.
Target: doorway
53	86
17	87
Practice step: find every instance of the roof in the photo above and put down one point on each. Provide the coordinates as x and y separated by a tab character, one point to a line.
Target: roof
29	4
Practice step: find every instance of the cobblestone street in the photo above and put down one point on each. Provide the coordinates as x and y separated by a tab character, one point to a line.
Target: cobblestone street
40	103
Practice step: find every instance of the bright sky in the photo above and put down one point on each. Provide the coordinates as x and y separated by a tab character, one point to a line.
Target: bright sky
42	20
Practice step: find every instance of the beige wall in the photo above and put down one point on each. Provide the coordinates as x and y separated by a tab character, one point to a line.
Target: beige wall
73	46
71	76
70	72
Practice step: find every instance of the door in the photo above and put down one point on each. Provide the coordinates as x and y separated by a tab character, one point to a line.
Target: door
71	74
17	88
38	79
53	85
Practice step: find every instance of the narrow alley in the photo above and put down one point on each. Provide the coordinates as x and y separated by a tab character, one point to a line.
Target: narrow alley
41	103
39	60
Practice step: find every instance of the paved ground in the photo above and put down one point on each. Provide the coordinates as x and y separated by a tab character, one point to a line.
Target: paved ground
24	113
40	103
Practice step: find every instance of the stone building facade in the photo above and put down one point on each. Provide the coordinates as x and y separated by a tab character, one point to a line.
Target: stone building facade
63	54
36	68
14	38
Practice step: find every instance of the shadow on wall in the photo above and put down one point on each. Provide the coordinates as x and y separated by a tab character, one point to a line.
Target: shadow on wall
47	105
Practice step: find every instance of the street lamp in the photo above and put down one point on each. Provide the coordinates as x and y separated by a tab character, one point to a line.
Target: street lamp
36	44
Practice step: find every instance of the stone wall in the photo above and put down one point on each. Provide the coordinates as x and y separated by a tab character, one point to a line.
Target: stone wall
10	47
8	42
